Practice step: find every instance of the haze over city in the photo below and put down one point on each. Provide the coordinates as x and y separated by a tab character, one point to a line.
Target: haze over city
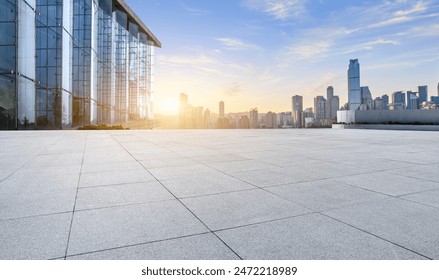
254	53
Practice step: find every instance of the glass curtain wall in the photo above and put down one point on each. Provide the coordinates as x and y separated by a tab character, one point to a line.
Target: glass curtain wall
8	97
26	54
143	75
82	60
133	72
49	63
121	69
150	80
105	84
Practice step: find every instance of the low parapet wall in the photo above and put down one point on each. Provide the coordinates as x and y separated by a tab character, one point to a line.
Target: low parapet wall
387	127
427	117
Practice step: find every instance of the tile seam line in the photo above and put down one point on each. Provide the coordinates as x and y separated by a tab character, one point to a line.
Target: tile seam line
139	244
377	236
76	196
179	201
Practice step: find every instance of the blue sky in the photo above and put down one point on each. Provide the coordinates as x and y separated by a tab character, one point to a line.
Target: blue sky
259	53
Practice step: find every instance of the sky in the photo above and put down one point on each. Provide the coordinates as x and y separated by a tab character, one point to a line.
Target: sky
259	53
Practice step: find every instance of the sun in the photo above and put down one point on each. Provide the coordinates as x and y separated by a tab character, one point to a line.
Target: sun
167	107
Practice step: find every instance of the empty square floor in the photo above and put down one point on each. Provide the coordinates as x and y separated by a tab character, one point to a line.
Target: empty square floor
219	194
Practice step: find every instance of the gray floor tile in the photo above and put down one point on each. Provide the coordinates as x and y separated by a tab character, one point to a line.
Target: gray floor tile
111	166
205	185
199	247
166	162
25	182
426	172
33	203
324	194
430	198
114	178
241	208
105	196
310	237
242	165
43	237
406	223
271	177
388	183
107	228
188	171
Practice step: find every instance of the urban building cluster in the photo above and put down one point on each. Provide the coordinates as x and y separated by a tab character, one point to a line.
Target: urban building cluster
68	63
410	107
324	113
191	117
360	97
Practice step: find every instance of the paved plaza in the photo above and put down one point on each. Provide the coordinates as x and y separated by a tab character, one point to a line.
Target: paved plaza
219	194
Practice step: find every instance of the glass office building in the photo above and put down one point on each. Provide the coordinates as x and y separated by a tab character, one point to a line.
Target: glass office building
68	63
354	85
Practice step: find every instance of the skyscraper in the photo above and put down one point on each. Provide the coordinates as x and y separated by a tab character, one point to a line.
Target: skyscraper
422	94
68	63
398	100
184	110
221	109
354	85
385	99
412	101
254	121
366	97
319	108
297	111
329	93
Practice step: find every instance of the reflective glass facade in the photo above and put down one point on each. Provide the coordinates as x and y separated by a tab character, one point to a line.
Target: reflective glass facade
8	66
354	85
67	63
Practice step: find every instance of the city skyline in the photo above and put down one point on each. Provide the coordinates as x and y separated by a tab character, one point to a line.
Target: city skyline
304	49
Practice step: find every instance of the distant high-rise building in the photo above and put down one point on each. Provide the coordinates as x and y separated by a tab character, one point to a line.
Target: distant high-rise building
221	109
354	85
198	117
297	111
329	93
423	94
271	120
335	106
332	104
412	100
244	122
435	99
437	89
319	108
398	99
385	99
254	121
377	104
184	111
366	97
207	123
184	101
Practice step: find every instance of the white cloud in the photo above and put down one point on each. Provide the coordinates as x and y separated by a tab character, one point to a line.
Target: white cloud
308	50
391	21
194	11
236	44
380	41
417	7
279	9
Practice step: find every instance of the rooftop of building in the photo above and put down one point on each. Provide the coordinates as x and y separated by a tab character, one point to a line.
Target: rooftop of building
135	19
219	194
